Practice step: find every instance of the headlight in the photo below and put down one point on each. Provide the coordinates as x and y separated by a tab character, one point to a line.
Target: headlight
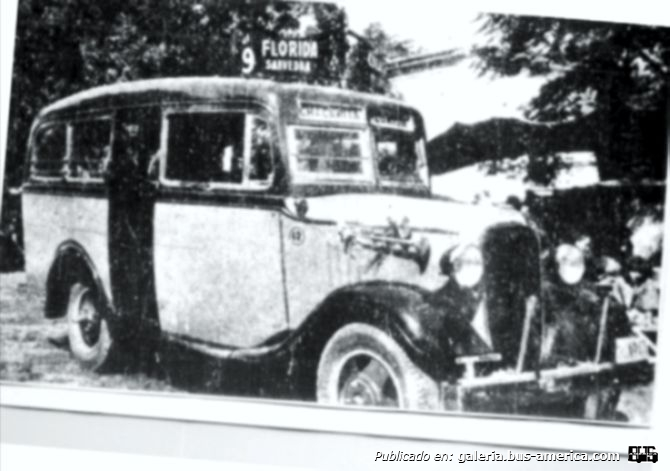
570	262
465	265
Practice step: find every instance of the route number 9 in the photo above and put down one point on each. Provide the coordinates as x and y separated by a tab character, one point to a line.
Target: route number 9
249	60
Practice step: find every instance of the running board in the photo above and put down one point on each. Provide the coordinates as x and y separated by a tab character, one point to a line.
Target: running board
222	352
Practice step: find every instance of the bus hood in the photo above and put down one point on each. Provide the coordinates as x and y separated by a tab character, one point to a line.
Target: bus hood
419	214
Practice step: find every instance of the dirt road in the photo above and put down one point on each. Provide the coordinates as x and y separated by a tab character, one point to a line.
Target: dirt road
28	352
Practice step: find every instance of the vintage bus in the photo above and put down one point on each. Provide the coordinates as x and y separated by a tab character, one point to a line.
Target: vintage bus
291	229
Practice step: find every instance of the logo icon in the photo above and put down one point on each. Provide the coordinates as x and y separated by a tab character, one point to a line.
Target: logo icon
642	454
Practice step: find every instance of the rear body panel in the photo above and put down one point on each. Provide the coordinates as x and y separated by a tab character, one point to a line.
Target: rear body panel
51	220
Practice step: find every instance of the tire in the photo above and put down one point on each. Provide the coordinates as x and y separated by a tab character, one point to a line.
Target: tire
363	366
88	331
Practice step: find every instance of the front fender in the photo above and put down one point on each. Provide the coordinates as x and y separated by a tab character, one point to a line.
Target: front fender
430	335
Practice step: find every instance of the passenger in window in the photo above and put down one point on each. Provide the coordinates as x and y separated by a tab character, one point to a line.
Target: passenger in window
261	154
153	168
82	172
227	160
105	159
232	161
226	168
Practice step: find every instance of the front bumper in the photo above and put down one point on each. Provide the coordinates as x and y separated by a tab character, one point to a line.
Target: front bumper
559	391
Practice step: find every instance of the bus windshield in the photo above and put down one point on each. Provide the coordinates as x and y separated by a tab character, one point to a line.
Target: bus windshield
390	150
331	153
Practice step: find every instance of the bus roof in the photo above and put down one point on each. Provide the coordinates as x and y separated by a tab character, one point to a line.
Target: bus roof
206	89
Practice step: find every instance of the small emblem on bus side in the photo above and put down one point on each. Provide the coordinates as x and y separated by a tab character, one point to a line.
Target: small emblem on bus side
297	236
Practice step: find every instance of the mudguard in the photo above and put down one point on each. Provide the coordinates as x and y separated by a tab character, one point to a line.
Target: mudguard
431	335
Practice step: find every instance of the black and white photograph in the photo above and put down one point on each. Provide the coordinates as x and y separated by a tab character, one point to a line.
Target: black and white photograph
333	205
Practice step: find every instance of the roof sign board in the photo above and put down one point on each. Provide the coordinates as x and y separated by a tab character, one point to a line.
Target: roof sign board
280	56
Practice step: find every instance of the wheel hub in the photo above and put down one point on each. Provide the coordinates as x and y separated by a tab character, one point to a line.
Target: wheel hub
88	320
361	391
367	382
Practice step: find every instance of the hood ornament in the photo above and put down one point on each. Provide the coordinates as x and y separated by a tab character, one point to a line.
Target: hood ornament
394	239
301	208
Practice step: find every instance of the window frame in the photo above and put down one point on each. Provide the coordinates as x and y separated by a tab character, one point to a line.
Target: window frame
422	164
33	174
70	139
313	177
249	115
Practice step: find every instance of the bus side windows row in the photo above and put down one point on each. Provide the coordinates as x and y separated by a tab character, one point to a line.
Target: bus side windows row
202	147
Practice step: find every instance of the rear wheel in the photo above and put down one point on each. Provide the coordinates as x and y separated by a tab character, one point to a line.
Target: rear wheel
363	366
88	332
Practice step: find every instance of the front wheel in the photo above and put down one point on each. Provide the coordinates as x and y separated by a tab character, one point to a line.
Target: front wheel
361	365
88	331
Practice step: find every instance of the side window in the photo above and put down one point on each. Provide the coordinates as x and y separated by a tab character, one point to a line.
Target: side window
205	147
136	149
91	148
260	154
49	148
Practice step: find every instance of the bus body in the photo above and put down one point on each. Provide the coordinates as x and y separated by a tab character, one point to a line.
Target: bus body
291	229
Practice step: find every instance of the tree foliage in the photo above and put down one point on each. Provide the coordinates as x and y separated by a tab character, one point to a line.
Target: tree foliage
375	48
614	74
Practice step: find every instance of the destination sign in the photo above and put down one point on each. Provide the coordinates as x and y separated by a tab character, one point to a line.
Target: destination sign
289	55
324	112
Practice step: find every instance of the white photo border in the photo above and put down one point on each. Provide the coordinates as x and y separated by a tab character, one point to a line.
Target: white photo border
465	428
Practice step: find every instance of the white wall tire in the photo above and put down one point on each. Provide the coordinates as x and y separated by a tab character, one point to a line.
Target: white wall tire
88	331
363	366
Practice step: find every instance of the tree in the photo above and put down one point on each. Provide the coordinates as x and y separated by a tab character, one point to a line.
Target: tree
374	48
613	77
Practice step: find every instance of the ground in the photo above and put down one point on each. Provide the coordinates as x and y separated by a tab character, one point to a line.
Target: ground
28	353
